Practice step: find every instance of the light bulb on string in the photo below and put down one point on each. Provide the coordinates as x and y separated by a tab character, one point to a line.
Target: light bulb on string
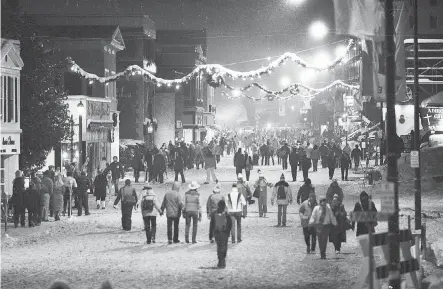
159	84
177	87
268	58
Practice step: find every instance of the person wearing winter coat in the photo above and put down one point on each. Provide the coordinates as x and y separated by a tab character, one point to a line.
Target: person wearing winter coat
304	191
305	165
32	198
199	158
136	164
284	153
261	186
356	156
235	203
128	196
173	204
18	198
217	152
70	186
148	161
100	186
305	212
245	190
159	167
249	165
150	207
331	165
117	172
282	192
192	210
364	205
264	151
271	152
179	166
57	196
211	207
337	234
334	189
47	188
82	193
239	162
324	152
315	155
222	224
345	163
210	164
322	219
294	159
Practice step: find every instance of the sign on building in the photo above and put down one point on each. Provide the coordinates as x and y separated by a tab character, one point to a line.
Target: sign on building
432	118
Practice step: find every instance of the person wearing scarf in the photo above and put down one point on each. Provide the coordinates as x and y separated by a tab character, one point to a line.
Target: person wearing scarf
282	201
337	234
261	185
305	213
364	205
322	218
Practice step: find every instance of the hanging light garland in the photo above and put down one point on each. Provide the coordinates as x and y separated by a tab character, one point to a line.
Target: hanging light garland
293	89
214	73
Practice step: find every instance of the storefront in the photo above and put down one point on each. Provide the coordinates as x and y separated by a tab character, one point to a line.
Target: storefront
431	112
11	65
193	128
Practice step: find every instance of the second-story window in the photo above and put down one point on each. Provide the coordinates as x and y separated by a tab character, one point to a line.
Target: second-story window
433	21
9	99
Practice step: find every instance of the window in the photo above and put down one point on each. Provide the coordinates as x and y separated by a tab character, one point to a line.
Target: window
432	21
9	99
16	100
1	100
411	21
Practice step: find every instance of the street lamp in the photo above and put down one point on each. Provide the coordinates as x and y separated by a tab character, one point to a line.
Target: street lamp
318	30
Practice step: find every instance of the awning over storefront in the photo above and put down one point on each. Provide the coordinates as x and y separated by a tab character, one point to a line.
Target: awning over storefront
94	125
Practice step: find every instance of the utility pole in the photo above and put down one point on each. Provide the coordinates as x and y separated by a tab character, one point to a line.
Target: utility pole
391	132
72	139
382	133
417	181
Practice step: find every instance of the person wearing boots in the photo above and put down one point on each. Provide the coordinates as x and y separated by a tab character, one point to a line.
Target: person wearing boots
192	211
100	185
261	185
150	208
294	159
117	172
128	195
57	196
305	213
18	199
245	190
82	192
47	189
222	224
282	192
211	207
235	203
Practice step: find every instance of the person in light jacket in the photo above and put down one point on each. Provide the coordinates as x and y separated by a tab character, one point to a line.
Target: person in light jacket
150	207
321	219
245	190
192	211
211	207
128	195
235	203
283	200
262	186
305	213
173	204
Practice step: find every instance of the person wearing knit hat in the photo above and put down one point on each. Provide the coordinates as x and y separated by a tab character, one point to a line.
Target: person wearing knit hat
337	234
211	207
245	190
334	189
282	191
235	203
221	223
261	192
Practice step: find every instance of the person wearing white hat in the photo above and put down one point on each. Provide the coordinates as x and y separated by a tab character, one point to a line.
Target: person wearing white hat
211	207
245	190
192	210
235	203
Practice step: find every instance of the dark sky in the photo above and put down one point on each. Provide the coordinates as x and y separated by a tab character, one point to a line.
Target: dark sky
240	30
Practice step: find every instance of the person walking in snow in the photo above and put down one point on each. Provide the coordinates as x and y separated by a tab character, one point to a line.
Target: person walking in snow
304	191
322	219
334	189
305	213
18	199
100	186
128	195
173	204
282	192
261	192
356	155
117	172
222	224
192	211
211	207
235	203
245	190
149	207
337	234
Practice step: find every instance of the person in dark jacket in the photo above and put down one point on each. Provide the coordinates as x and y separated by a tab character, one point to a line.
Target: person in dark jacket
136	164
128	195
83	185
284	153
304	191
356	156
331	165
239	162
159	167
148	165
364	205
117	172
305	165
100	184
173	204
32	204
345	162
18	199
324	152
264	150
337	234
178	166
294	159
222	224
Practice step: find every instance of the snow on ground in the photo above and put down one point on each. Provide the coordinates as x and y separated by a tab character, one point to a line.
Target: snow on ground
90	249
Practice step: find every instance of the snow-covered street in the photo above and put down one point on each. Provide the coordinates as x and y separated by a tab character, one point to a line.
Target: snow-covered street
88	250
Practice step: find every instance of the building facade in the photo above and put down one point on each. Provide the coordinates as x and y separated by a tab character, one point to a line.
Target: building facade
178	53
10	131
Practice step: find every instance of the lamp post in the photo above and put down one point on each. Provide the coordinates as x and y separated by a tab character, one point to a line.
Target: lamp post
72	139
80	107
